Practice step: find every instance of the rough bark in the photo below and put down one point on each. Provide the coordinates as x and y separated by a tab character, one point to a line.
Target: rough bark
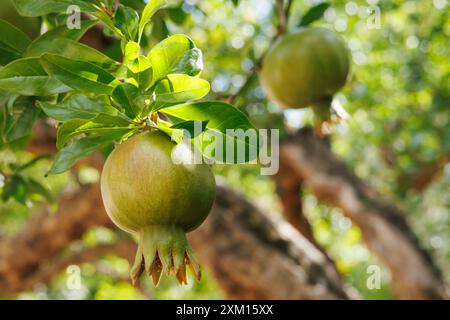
263	258
420	179
383	226
289	189
47	235
237	242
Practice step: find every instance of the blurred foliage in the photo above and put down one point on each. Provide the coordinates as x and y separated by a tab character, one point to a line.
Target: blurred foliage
107	279
398	98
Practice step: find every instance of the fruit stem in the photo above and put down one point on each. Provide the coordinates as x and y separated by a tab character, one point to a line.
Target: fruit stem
164	248
322	115
154	117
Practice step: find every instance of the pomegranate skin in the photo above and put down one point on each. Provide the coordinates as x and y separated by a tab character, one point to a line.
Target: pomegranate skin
141	186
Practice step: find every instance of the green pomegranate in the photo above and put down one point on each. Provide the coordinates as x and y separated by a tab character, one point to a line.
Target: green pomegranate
29	25
305	68
150	190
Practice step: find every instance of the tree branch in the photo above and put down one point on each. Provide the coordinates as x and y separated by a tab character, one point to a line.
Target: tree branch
50	269
421	178
46	235
282	18
383	226
288	188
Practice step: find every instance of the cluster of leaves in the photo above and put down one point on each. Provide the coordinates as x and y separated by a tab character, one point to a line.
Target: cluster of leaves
95	100
15	183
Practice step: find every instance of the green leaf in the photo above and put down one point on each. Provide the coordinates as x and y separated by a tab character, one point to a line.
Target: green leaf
34	187
160	31
85	5
30	8
13	42
79	75
15	187
140	64
178	88
100	124
126	19
191	63
78	149
132	50
220	116
139	67
77	106
134	61
73	50
314	14
176	54
235	2
167	127
38	46
107	20
177	15
129	99
33	8
189	126
141	72
27	77
18	123
149	10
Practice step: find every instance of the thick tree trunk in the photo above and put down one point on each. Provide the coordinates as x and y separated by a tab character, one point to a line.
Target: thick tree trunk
383	226
250	255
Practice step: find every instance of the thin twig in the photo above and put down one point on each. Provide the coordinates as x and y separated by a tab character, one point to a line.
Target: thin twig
283	17
287	11
279	8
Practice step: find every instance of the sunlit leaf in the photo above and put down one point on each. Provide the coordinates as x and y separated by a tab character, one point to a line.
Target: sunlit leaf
126	19
149	10
223	119
131	52
190	126
176	54
178	88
